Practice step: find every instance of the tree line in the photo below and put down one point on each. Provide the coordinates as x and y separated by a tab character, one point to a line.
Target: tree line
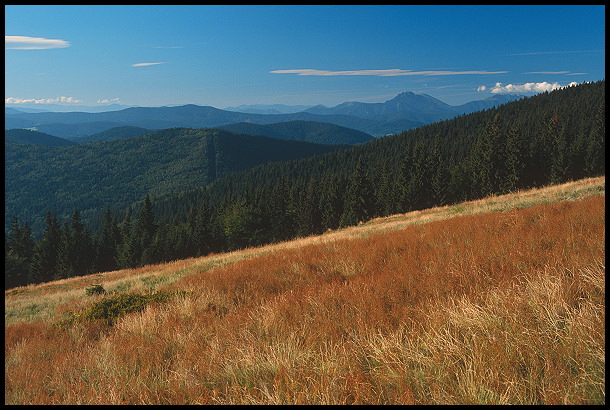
547	139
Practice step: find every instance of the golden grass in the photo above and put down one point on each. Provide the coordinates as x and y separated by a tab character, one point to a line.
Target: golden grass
498	301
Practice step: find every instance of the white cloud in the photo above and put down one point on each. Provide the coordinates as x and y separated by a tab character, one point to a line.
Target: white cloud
382	73
13	100
32	43
482	88
528	87
109	100
145	64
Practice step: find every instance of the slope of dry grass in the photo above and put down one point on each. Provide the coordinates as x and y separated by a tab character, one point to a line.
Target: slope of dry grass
498	301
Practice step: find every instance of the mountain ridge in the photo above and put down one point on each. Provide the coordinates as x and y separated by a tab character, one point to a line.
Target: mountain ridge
405	111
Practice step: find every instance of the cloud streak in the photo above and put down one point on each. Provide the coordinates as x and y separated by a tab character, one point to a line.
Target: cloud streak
383	73
146	64
32	43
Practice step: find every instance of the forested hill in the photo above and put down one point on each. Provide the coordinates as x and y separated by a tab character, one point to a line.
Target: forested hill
549	138
118	172
317	132
23	136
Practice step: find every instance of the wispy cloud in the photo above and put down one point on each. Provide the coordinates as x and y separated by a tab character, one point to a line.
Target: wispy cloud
13	100
146	64
32	43
382	73
525	88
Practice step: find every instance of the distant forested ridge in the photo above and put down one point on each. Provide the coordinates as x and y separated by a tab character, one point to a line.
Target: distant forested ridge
546	139
405	111
23	136
317	132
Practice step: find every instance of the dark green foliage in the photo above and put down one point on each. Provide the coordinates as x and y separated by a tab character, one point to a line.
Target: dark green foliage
113	307
97	175
23	136
106	244
359	200
310	131
113	133
18	252
95	289
46	251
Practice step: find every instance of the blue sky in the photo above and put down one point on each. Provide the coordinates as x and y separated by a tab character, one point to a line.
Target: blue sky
310	54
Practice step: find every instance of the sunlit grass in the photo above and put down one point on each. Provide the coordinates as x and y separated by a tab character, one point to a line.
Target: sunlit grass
498	301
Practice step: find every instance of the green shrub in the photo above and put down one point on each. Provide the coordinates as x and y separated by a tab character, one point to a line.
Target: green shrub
95	289
110	308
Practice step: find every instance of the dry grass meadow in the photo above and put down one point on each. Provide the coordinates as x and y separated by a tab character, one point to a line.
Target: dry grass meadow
497	301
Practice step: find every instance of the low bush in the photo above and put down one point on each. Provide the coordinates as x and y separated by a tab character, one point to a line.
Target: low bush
110	308
95	289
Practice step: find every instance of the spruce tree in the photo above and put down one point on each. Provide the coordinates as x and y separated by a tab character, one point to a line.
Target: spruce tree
18	251
44	261
106	249
513	164
145	231
127	249
329	202
358	198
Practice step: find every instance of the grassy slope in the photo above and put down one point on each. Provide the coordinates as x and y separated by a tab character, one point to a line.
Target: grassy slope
493	301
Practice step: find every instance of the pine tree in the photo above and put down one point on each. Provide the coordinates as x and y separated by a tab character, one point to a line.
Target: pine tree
127	250
18	252
329	202
404	187
595	157
358	199
281	217
417	185
558	166
386	190
309	221
439	181
238	225
484	160
107	244
83	253
65	253
145	232
44	261
513	164
199	225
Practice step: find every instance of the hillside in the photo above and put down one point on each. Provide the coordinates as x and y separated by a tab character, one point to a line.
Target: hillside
547	139
113	133
494	301
115	173
316	132
23	136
